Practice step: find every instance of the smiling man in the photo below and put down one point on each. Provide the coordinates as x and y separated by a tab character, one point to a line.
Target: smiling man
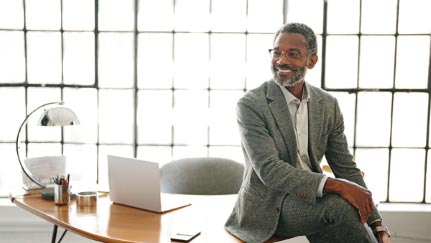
286	127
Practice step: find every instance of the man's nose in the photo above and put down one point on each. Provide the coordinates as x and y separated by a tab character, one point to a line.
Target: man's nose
283	59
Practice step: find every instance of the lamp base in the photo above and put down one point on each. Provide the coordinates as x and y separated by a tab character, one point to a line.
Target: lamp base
48	193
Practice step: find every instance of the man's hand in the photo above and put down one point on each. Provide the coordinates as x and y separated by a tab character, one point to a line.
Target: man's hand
355	194
382	237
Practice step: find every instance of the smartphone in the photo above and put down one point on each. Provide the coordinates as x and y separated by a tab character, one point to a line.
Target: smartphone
184	236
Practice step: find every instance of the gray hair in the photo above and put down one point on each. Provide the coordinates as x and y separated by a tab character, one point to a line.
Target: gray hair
303	30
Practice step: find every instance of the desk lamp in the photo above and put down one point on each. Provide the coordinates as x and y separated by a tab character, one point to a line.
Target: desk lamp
55	116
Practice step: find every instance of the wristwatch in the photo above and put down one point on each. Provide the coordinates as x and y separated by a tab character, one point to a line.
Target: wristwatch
380	229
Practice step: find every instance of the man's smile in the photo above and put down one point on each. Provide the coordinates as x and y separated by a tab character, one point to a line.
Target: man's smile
285	70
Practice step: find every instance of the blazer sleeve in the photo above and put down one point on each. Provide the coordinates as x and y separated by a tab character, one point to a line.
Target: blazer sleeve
340	159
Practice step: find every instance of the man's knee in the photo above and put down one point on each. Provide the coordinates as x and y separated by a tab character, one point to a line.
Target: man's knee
339	210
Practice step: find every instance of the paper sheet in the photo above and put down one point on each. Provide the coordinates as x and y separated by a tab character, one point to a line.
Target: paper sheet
43	168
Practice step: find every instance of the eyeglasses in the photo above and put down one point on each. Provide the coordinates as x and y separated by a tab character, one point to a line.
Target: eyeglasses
290	54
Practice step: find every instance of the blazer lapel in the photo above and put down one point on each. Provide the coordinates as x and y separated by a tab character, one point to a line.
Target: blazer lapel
315	116
280	111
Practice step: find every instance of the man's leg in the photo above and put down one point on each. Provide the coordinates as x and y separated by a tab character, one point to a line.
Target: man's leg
331	220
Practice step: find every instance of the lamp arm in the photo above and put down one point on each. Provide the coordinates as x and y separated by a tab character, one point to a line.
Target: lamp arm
24	168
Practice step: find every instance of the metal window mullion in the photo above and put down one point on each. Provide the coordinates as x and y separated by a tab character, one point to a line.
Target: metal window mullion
209	90
324	38
173	83
25	75
426	167
135	79
358	67
62	71
96	85
388	186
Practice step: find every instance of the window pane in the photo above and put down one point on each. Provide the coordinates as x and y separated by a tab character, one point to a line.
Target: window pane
229	152
180	152
374	117
372	20
227	61
84	103
116	116
11	14
155	61
414	17
155	117
191	59
82	8
10	172
13	110
192	15
44	57
314	16
191	117
228	15
343	16
116	14
116	60
156	15
160	154
36	98
410	119
258	66
223	126
43	149
80	156
346	102
374	164
428	182
12	62
407	179
43	14
269	11
78	66
375	73
341	62
412	62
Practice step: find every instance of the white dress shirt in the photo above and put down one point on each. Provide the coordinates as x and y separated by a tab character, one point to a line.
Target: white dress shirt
298	110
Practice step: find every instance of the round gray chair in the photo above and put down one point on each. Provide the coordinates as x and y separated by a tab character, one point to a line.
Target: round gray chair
202	176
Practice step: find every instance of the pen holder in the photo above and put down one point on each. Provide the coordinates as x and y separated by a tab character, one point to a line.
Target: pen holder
61	194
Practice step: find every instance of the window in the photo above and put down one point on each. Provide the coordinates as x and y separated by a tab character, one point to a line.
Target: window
379	69
145	78
148	80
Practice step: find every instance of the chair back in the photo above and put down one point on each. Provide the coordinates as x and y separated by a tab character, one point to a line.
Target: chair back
202	176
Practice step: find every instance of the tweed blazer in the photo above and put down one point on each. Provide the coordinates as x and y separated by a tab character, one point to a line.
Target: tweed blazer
270	149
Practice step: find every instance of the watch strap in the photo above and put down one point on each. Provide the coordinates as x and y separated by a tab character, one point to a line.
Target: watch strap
382	229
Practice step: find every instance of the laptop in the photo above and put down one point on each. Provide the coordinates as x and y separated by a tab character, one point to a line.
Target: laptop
136	183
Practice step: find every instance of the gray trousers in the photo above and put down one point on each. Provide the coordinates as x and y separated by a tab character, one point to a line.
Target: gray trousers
331	220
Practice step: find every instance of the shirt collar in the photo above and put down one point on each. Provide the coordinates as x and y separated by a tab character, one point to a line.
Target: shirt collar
290	97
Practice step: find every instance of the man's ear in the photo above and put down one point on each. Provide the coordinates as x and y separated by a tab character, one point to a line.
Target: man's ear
312	61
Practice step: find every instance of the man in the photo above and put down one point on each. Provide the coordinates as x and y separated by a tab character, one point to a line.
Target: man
286	127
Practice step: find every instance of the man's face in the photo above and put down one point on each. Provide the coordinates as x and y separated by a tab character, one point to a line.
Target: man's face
290	59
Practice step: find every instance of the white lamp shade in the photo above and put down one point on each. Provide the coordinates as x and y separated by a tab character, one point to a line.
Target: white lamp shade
58	116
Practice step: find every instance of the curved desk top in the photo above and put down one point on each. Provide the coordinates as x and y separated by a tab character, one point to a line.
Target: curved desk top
110	222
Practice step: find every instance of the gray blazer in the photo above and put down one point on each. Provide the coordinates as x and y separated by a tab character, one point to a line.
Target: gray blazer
269	145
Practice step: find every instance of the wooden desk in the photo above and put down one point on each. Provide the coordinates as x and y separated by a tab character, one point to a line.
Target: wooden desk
109	222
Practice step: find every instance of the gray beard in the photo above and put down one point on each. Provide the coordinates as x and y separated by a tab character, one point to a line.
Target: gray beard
290	82
294	80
